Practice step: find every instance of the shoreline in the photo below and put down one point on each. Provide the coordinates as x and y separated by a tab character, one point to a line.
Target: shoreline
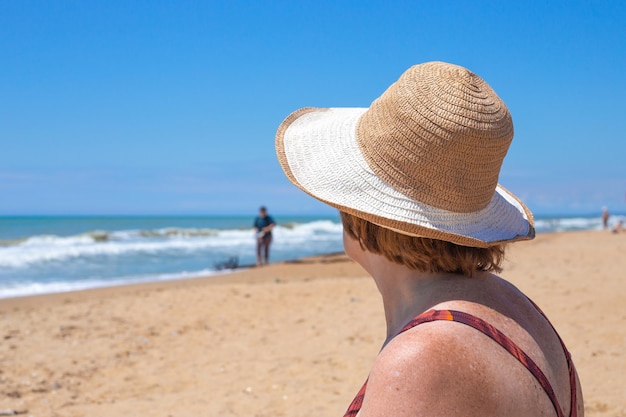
289	339
173	277
241	274
185	277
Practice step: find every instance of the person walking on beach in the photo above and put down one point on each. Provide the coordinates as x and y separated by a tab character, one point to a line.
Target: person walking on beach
415	179
263	225
605	218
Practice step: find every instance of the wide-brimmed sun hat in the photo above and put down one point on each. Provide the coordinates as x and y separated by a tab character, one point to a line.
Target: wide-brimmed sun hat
422	160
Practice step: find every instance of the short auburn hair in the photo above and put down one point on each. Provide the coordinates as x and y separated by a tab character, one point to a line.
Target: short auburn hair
421	253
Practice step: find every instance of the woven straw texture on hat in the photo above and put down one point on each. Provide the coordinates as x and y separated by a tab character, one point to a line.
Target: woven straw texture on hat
423	160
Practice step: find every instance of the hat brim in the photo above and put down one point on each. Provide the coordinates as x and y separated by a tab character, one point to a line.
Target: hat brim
318	151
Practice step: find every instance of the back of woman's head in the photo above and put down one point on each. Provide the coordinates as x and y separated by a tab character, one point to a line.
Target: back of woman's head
420	253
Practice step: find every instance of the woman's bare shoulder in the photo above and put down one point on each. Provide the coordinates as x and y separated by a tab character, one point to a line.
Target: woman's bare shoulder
442	369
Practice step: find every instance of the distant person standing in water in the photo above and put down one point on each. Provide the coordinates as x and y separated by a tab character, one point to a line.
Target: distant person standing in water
605	218
263	226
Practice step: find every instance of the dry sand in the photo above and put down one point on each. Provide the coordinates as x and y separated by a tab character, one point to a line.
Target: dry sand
291	339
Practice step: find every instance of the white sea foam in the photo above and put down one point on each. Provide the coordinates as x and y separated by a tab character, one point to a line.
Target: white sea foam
147	250
34	288
48	248
568	223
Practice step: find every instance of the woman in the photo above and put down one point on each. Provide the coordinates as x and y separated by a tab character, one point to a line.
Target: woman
415	177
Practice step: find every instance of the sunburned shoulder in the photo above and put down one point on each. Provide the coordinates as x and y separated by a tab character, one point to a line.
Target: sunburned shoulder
440	369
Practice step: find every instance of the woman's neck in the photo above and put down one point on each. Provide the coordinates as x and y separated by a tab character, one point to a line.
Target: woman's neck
406	292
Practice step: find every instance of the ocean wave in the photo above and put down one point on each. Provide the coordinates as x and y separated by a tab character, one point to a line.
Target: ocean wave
100	246
562	224
11	242
97	253
98	243
20	289
176	232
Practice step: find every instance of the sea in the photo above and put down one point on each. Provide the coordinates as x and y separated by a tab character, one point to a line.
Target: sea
42	254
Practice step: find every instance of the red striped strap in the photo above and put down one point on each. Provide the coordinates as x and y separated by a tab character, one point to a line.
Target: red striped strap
355	405
570	365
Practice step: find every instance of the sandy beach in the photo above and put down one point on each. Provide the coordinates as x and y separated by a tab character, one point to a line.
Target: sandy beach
290	339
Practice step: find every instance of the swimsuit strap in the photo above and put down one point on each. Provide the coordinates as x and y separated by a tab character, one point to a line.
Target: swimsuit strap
355	405
570	364
494	334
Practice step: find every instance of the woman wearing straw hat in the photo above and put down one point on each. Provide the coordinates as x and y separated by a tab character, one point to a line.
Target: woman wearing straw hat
415	178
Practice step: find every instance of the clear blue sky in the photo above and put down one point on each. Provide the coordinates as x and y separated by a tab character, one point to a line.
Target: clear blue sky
155	107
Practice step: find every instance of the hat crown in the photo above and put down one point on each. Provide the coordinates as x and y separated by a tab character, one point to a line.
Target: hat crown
439	135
